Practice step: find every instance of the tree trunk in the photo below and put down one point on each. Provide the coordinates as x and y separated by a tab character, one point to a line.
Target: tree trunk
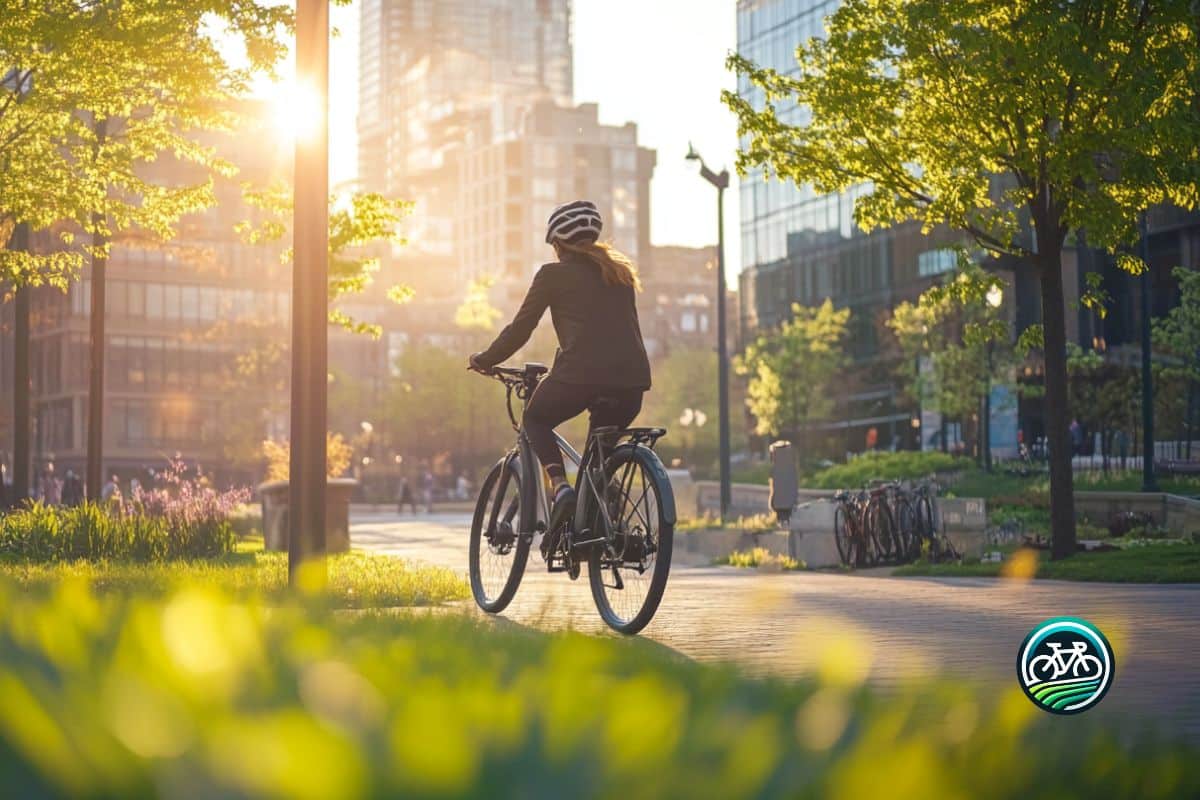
22	389
1058	440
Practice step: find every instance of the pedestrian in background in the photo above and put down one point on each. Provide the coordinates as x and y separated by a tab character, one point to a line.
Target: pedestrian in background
405	496
427	490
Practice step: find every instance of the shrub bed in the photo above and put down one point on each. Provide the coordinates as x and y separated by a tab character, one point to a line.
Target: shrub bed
183	517
94	532
901	465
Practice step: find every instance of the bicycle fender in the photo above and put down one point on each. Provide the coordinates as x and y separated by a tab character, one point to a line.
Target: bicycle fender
651	460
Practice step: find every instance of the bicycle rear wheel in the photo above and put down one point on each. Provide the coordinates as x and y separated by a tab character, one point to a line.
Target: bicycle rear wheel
882	530
927	530
907	533
844	538
628	571
498	552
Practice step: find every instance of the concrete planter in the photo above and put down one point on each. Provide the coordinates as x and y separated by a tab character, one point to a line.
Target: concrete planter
274	498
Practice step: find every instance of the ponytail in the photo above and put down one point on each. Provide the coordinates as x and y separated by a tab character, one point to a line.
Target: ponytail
615	266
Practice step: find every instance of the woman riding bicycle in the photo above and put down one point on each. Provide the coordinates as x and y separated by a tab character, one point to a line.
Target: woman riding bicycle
601	365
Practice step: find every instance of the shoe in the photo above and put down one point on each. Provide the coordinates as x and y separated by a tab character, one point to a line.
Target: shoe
563	509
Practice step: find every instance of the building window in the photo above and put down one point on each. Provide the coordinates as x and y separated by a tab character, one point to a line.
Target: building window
935	262
154	301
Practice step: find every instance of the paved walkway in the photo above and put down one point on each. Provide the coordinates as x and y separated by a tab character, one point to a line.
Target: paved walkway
903	628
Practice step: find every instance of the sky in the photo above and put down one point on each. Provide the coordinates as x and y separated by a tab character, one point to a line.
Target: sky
658	63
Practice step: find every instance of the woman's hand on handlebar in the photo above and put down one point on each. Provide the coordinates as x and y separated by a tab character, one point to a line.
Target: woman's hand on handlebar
473	364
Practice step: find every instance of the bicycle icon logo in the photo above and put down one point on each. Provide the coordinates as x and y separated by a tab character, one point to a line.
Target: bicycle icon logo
1065	665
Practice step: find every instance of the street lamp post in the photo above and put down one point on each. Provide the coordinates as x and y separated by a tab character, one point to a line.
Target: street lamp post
995	296
1149	484
310	299
721	182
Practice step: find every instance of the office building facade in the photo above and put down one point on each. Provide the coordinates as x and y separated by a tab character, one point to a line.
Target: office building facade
196	361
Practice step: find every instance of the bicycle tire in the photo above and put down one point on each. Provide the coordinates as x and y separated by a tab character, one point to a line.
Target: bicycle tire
498	478
907	532
926	530
842	537
657	485
882	529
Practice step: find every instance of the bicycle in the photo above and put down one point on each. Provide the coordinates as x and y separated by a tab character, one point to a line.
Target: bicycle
623	526
853	547
929	541
1054	665
880	525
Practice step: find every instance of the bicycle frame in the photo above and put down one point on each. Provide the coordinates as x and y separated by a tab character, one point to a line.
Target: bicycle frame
570	455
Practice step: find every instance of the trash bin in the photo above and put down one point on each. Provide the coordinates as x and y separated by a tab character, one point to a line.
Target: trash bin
274	497
784	481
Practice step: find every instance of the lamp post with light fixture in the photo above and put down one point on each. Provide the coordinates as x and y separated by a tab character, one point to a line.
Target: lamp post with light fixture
721	182
995	296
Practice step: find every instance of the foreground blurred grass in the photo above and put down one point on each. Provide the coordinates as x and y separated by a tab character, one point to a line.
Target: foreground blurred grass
356	579
193	693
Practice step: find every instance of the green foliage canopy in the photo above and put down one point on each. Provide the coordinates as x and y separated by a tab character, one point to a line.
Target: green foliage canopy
789	370
966	341
96	91
967	113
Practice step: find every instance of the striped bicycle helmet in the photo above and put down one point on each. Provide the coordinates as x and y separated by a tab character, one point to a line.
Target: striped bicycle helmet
574	223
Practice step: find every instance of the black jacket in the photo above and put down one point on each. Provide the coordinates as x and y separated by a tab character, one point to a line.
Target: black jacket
600	341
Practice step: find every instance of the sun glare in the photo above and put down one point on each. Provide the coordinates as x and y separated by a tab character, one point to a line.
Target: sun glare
296	109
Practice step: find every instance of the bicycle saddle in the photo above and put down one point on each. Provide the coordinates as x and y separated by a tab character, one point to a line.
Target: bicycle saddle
533	368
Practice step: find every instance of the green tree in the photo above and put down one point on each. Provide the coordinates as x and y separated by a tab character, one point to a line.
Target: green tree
1177	336
97	91
1105	397
789	370
358	225
955	342
994	117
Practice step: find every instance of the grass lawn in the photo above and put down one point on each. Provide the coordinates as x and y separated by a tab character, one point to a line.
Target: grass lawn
356	579
197	693
1150	563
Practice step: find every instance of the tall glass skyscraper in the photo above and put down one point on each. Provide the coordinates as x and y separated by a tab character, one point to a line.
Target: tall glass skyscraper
800	246
424	63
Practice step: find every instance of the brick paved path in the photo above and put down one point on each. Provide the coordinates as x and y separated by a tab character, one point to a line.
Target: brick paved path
783	623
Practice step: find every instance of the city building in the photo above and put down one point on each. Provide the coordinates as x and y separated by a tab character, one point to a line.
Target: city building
509	186
799	246
465	108
424	63
196	361
676	306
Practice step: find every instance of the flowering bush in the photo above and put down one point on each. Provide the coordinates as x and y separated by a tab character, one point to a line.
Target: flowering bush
182	518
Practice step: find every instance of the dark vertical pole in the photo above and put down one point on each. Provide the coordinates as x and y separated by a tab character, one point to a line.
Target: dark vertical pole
987	413
95	428
21	385
310	292
722	351
1149	484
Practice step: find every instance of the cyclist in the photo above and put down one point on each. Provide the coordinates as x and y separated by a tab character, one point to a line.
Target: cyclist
601	364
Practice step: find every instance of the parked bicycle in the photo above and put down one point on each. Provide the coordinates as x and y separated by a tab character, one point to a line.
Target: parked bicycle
623	526
887	523
853	546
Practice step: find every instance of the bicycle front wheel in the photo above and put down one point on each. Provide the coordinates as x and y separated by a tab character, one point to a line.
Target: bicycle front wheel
498	552
628	571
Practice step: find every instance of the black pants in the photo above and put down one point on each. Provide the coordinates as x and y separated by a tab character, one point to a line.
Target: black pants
553	403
